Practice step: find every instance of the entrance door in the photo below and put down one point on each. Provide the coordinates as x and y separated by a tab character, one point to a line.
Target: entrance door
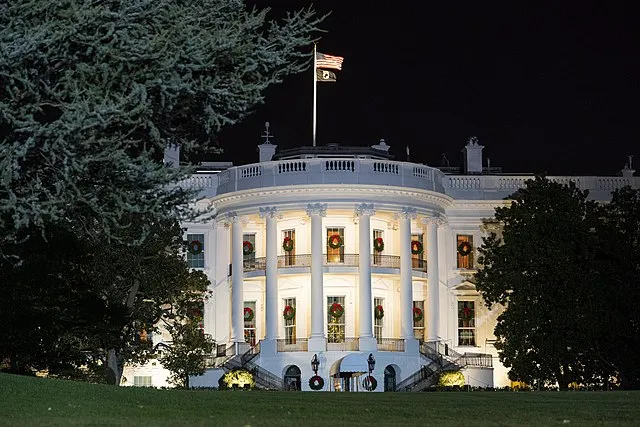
292	378
389	378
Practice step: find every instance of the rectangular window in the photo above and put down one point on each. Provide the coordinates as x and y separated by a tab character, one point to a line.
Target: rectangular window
417	260
335	255
290	324
335	325
250	322
464	250
418	319
142	381
377	323
249	258
377	256
466	323
195	250
290	256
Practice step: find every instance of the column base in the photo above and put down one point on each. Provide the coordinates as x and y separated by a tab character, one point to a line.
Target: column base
317	344
411	345
268	347
367	344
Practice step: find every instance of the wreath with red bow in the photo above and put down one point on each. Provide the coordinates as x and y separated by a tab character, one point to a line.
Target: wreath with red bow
335	241
467	313
287	244
195	247
247	247
289	313
378	244
316	383
378	312
464	248
417	314
336	310
248	314
416	247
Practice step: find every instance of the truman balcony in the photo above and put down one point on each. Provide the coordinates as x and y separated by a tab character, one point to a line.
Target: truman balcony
380	264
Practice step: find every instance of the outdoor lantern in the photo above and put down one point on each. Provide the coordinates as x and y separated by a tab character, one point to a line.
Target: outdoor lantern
315	364
371	361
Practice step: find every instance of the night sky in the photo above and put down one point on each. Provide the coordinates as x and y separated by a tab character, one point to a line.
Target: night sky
549	87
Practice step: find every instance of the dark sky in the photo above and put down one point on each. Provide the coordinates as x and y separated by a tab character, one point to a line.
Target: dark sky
546	86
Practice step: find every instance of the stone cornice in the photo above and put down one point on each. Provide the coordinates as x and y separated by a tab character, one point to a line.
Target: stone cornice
340	196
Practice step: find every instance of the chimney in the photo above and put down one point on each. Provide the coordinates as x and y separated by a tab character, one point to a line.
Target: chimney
266	150
472	154
627	171
172	155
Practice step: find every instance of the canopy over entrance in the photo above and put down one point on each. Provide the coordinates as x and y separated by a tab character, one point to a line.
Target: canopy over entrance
354	363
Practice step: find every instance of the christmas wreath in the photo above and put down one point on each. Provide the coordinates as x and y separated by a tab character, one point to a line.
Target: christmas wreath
289	313
316	383
195	247
378	244
416	247
369	383
417	314
464	248
247	247
378	312
336	311
287	244
335	241
248	314
467	313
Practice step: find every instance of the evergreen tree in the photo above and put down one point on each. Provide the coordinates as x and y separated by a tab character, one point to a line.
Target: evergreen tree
92	92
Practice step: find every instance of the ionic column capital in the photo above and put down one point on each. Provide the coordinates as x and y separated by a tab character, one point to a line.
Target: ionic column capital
435	220
318	209
364	209
407	213
268	212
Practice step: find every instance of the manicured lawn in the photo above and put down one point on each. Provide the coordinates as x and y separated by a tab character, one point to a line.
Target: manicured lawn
36	401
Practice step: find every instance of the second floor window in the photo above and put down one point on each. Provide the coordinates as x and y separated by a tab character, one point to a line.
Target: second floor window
377	256
417	260
289	321
464	250
335	236
195	250
289	236
250	254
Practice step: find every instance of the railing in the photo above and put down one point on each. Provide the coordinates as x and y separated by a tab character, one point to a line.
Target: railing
480	360
424	376
346	260
250	354
349	344
433	349
299	344
390	344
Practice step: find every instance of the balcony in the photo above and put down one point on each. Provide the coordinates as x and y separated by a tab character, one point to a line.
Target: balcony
345	260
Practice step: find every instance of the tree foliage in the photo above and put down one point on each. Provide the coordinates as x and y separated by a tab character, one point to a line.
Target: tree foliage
73	304
566	269
92	91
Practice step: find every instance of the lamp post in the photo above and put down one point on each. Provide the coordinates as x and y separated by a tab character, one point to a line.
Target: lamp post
315	364
371	361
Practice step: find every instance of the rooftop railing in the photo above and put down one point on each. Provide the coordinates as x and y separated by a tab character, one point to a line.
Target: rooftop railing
346	260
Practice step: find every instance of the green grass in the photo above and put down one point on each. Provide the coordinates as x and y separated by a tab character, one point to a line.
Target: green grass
37	401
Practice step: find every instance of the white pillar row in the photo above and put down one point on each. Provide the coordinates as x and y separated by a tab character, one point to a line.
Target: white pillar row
433	280
317	339
365	299
237	278
271	292
406	275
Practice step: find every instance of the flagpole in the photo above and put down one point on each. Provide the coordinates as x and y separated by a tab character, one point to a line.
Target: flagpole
315	90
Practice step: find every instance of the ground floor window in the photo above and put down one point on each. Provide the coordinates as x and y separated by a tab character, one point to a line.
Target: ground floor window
377	322
292	379
142	381
335	324
418	319
466	323
250	322
289	323
389	378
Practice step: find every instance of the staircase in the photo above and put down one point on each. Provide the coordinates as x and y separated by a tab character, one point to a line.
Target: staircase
264	379
442	358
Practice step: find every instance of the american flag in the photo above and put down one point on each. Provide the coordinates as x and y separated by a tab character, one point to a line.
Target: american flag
328	61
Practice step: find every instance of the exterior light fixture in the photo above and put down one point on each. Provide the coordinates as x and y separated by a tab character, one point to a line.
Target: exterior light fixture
372	363
315	364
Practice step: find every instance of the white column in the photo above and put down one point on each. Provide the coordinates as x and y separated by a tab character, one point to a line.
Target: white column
271	293
406	275
317	340
237	278
365	300
433	281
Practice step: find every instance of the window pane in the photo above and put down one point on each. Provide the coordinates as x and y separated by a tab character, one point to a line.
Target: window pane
250	325
335	326
464	261
195	260
377	323
337	254
290	324
289	257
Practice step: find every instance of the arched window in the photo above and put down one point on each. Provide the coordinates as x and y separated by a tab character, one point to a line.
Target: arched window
292	378
389	378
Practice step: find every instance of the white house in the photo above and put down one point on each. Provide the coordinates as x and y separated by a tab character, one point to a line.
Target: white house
343	256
